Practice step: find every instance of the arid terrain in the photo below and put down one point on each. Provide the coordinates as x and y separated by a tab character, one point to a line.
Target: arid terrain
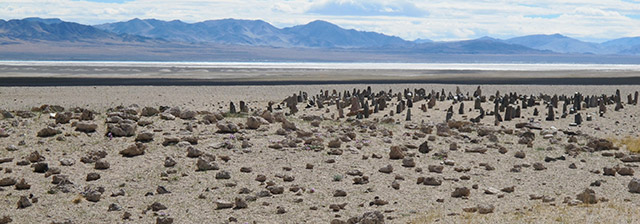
347	154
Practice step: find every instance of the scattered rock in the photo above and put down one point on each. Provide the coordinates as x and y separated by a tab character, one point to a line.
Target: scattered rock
169	162
460	192
587	196
424	147
634	185
436	168
7	181
134	150
387	169
102	164
220	204
156	206
164	220
485	208
48	132
205	163
144	136
539	166
22	185
86	127
396	153
625	171
223	175
93	176
339	193
23	202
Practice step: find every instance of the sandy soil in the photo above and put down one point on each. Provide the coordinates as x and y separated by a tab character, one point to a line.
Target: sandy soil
194	193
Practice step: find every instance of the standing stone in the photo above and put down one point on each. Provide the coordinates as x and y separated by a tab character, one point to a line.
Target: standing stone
578	119
408	118
243	107
366	109
550	114
432	102
232	108
508	114
461	109
477	104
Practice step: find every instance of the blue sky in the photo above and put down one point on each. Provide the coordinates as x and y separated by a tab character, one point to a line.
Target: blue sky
591	20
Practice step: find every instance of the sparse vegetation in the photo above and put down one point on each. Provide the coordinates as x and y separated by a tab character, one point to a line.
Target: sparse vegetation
337	177
630	143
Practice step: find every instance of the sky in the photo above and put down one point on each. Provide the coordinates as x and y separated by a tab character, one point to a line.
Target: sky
440	20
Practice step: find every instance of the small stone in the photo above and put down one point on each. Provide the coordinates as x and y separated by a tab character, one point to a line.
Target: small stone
510	189
86	127
5	219
7	181
114	207
93	176
335	143
223	175
634	185
40	167
520	155
396	153
460	192
408	162
67	162
220	204
162	190
157	206
485	209
395	185
339	193
491	190
625	171
205	164
280	210
193	152
169	162
22	185
276	190
387	169
102	164
424	147
539	166
144	137
12	148
608	171
435	168
432	181
246	169
587	196
92	195
164	220
23	202
48	132
134	150
240	203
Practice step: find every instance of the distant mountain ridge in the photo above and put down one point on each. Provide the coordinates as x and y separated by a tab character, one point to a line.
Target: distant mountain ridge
163	38
322	34
254	32
36	29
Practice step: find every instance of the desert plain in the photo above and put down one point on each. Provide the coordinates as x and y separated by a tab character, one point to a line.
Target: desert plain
321	153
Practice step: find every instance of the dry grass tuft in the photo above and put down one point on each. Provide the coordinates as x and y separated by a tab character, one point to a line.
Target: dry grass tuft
630	143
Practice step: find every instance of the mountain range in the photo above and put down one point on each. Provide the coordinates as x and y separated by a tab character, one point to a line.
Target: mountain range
258	35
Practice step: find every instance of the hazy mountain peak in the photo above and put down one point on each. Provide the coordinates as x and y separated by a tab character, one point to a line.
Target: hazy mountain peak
45	21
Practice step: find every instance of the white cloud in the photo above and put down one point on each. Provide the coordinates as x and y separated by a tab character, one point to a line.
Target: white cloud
594	20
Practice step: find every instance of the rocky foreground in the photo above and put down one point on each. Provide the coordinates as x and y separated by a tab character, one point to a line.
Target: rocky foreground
358	156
